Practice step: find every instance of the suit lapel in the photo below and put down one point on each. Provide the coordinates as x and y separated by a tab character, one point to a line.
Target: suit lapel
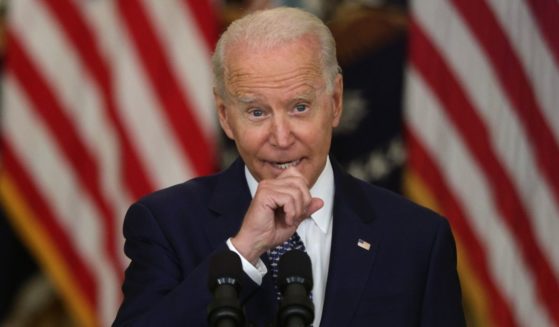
350	263
229	202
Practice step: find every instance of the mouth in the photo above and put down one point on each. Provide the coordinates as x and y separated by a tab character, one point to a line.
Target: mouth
286	164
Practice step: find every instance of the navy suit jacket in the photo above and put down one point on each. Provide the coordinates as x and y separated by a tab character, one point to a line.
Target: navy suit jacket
407	278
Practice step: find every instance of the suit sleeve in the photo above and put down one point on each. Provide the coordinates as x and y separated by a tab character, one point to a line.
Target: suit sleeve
442	303
159	289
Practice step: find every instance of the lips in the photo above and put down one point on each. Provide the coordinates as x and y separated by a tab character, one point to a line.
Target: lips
286	164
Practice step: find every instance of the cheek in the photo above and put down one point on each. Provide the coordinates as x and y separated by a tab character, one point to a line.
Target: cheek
317	139
250	139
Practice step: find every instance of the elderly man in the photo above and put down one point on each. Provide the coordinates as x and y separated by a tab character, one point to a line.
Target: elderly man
377	259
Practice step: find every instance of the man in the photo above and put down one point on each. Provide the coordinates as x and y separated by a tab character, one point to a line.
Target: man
377	259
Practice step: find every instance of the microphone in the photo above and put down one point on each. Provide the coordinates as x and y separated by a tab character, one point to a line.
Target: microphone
295	282
225	271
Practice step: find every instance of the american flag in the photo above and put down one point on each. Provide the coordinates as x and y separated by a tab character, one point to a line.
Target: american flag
482	124
103	102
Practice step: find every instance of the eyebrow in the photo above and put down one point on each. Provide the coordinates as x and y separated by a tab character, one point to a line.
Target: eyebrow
306	95
247	99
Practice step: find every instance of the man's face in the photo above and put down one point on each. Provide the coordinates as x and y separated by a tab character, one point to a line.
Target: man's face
277	109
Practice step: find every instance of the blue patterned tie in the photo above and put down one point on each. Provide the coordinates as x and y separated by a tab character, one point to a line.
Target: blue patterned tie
294	242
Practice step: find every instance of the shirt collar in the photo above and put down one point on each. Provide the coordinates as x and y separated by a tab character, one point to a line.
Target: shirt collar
323	189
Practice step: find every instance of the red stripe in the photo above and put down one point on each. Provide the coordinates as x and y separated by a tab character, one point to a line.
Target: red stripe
57	236
437	74
46	105
514	80
203	12
546	13
83	39
422	164
180	113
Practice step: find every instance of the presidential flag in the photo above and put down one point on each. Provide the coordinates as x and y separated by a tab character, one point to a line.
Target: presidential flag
482	125
103	102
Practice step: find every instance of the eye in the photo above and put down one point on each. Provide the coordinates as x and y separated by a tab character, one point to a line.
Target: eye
256	113
299	108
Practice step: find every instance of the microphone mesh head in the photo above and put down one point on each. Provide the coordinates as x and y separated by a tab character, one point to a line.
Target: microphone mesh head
225	267
295	267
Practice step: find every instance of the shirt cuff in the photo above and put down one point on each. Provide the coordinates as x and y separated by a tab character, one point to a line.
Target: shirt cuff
256	273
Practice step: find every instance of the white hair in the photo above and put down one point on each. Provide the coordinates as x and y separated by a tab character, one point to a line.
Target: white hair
270	28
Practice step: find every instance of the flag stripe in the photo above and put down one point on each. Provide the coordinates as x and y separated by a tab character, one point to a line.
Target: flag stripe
422	163
547	12
143	118
535	55
474	132
85	281
171	21
82	102
84	42
204	15
482	105
504	129
76	214
179	112
462	174
514	80
48	107
104	102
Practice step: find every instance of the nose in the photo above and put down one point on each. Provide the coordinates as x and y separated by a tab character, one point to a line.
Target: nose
281	135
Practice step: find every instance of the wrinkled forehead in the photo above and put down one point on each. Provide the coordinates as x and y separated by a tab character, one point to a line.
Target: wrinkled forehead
295	65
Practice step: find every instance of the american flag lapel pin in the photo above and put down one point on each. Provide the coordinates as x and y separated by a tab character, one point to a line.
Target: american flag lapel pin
363	244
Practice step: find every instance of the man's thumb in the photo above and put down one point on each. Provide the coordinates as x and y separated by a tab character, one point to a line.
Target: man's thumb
316	204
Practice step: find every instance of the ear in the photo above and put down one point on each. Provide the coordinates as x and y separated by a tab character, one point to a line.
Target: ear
337	99
222	115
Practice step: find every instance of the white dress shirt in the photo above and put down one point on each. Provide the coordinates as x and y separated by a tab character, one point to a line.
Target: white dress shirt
315	232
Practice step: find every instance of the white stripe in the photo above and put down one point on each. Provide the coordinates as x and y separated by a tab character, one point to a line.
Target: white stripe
427	120
57	183
141	113
81	101
188	56
535	56
509	141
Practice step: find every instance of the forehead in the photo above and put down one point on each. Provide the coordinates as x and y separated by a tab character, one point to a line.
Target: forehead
291	67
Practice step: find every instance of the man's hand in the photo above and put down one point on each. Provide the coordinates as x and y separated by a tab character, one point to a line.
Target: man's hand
277	209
